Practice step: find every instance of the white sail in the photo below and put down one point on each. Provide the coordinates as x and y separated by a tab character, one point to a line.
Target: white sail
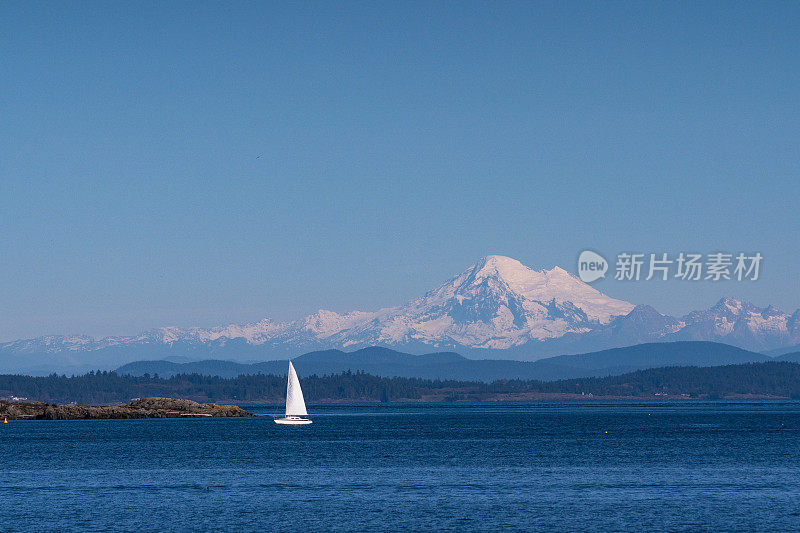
295	404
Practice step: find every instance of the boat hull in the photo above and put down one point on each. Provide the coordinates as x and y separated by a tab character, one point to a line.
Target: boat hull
292	421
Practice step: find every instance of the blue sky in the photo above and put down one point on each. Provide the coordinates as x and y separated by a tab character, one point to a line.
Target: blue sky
196	163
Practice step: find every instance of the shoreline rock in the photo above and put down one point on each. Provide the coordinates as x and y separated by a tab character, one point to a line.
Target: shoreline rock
143	408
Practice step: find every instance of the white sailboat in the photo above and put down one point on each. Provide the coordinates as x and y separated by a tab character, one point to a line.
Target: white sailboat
295	404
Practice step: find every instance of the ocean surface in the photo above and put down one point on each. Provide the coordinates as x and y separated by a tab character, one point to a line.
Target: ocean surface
682	466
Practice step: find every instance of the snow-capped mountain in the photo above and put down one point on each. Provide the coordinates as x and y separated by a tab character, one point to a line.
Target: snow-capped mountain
495	304
741	324
496	308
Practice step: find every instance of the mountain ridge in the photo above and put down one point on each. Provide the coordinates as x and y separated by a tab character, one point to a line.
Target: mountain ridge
380	361
497	308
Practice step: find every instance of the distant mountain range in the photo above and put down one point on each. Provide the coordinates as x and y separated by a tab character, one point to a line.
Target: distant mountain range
498	309
448	365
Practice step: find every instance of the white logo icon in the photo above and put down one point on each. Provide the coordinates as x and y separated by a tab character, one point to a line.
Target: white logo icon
591	266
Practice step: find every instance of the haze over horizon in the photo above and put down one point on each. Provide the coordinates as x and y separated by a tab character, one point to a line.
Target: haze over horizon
166	165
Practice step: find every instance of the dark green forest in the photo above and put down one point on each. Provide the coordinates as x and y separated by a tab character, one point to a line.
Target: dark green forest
771	379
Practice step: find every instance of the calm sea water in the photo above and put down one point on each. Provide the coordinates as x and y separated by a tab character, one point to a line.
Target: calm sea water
548	466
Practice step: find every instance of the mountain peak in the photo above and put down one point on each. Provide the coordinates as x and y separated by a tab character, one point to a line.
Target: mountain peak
734	307
511	270
729	302
558	273
771	310
499	259
645	311
498	266
506	278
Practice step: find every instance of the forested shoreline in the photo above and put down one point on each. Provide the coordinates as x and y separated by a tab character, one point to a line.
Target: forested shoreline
768	380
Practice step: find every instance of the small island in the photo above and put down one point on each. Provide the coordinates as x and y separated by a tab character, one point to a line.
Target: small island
140	408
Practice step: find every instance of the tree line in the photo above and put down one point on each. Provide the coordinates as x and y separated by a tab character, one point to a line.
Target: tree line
778	379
